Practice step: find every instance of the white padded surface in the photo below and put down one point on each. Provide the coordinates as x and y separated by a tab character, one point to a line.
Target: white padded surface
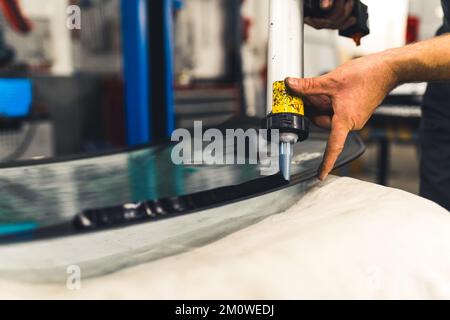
345	239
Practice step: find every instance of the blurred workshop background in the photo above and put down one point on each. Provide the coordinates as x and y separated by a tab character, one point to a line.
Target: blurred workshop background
75	82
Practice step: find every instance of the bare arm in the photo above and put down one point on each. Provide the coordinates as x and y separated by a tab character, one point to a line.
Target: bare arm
423	61
345	99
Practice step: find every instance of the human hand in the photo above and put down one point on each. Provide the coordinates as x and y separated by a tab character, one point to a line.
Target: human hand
345	99
338	19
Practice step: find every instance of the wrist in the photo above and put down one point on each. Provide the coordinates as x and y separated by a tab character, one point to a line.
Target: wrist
393	63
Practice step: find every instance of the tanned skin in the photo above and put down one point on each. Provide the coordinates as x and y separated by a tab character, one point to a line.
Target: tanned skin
344	99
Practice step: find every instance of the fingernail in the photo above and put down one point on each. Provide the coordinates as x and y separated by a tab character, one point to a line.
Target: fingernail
325	4
291	82
320	173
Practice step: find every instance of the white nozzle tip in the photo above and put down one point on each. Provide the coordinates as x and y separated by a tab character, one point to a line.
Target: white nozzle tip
285	160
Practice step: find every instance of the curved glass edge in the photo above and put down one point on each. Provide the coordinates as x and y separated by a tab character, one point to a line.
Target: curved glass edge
130	213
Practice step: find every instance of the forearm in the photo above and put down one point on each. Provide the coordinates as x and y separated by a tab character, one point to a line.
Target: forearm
423	61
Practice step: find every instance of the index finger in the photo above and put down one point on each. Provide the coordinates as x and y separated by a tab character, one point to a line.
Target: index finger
335	145
344	14
340	11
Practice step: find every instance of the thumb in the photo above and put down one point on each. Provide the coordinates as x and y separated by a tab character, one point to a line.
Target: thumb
307	86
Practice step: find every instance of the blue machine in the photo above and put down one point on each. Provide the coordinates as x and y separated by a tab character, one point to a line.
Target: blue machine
148	69
15	97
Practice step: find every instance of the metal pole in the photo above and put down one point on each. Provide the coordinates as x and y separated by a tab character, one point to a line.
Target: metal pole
136	70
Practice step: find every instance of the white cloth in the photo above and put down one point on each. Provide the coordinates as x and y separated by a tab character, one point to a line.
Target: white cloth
345	239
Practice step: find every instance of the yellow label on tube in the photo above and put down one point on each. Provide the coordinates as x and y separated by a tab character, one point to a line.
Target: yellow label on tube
283	102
